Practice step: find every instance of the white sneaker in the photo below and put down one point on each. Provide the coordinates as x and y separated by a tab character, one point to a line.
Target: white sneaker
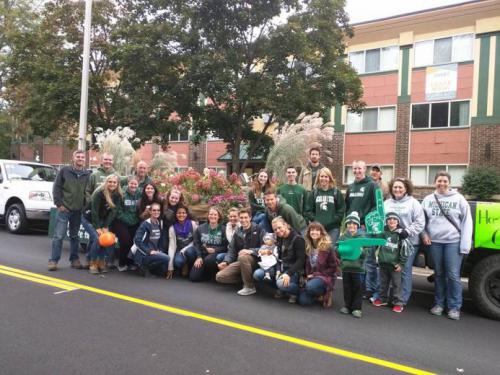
122	268
247	291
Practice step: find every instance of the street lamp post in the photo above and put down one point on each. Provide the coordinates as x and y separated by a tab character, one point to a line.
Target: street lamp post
82	134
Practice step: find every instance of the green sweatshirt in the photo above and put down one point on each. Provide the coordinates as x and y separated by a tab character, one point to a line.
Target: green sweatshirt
296	221
102	215
394	252
326	207
96	179
360	197
295	196
127	211
354	266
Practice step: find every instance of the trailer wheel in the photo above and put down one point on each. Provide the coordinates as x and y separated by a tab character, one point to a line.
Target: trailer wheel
484	286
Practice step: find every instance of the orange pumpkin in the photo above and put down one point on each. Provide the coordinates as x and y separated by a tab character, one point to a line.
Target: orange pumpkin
107	239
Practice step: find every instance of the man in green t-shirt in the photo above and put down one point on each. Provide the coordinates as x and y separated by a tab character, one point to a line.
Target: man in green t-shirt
294	193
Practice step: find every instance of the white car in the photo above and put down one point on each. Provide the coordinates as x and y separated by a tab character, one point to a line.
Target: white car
25	193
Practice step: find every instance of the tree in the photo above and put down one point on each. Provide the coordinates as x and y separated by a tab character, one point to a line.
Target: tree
481	183
246	65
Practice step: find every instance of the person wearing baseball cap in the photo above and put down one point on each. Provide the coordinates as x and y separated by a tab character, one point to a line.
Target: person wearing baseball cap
376	175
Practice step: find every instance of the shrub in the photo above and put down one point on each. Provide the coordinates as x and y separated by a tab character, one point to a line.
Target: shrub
481	183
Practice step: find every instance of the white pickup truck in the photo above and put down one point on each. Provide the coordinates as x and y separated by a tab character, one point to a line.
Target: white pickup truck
25	193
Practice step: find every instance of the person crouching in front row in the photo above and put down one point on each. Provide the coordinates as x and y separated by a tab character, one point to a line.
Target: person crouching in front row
149	248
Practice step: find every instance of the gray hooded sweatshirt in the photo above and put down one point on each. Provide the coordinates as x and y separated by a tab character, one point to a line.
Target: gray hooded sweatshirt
439	229
411	214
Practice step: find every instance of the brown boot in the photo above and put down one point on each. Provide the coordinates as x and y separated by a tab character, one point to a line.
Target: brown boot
52	266
185	271
93	269
101	263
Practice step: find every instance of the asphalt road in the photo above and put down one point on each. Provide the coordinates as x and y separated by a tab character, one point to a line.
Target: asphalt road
49	330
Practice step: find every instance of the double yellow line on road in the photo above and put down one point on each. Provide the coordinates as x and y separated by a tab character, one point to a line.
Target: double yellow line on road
68	285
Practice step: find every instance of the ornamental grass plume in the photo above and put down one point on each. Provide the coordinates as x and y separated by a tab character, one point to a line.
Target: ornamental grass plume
293	141
117	142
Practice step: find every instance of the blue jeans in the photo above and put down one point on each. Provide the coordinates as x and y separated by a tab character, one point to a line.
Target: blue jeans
315	287
259	273
180	259
96	251
371	278
261	220
334	235
293	286
157	263
406	275
62	220
220	257
447	285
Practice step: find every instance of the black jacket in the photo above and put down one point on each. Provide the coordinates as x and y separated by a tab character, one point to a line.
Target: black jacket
250	239
292	253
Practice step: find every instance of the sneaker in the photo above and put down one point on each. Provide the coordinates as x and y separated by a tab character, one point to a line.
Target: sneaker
397	309
292	299
267	277
378	302
344	310
133	267
367	295
437	310
357	313
122	268
454	315
247	291
52	266
76	264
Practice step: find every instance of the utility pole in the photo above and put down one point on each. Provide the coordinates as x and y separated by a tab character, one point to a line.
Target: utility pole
84	102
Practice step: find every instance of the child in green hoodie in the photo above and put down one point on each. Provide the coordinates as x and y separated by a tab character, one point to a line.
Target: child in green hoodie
352	270
391	259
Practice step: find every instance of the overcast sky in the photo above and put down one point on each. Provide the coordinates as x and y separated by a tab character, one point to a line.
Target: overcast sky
365	10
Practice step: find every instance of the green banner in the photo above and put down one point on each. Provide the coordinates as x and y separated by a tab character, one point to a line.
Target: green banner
487	229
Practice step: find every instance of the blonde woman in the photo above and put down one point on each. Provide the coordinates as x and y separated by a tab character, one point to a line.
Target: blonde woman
321	266
98	217
326	204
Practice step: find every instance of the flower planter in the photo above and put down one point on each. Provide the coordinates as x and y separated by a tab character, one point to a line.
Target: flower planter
199	211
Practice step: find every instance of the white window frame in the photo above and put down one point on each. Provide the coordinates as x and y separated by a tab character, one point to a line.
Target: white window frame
385	167
453	59
389	69
178	139
378	120
449	115
454	182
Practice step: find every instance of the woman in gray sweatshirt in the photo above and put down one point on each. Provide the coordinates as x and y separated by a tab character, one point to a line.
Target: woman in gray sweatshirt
412	221
448	231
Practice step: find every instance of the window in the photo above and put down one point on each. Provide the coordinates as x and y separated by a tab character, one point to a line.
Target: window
181	135
375	60
387	173
423	175
30	172
372	119
444	50
440	115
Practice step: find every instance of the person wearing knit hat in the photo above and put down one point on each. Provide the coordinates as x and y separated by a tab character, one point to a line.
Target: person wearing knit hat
353	270
268	259
391	259
353	217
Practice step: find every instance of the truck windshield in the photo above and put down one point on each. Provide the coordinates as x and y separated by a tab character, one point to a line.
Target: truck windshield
30	172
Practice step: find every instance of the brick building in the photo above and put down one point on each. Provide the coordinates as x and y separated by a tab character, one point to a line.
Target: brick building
432	90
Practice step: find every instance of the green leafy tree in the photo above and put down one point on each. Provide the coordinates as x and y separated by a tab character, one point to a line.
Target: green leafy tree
481	183
247	65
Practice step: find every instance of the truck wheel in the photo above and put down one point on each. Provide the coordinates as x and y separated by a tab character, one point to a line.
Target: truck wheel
484	285
15	219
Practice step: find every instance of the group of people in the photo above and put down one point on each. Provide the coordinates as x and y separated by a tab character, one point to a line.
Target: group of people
288	236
